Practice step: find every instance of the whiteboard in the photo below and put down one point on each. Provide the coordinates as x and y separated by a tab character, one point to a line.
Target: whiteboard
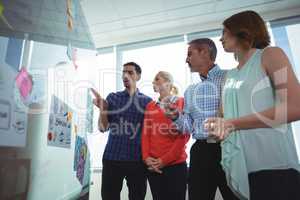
13	113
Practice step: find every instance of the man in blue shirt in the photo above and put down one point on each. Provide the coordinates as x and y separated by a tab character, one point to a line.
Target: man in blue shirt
122	113
202	100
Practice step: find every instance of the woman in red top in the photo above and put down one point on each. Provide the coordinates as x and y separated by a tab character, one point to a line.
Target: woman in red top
163	148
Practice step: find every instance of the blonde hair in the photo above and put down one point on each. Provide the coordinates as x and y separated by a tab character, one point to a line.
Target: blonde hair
169	78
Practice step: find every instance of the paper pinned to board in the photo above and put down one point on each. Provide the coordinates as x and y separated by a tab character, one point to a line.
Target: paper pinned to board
13	55
60	125
89	113
24	83
81	159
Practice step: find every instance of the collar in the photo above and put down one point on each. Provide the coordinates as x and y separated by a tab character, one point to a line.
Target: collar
172	98
211	73
125	92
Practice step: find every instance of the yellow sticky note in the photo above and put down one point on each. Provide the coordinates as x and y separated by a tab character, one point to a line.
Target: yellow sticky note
70	14
1	8
2	17
69	116
70	23
75	129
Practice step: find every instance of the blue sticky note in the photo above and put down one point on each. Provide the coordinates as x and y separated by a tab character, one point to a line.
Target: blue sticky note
70	51
14	53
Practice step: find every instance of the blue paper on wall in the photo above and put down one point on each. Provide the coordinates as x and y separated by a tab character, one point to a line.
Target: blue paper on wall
90	113
81	160
14	53
78	143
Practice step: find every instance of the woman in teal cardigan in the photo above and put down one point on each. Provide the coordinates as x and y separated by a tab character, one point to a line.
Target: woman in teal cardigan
260	99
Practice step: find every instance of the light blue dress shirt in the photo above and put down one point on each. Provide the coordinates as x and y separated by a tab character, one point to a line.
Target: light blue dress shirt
202	100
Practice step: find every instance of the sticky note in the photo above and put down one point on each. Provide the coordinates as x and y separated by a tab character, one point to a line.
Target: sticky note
1	9
70	9
14	53
3	17
69	116
72	54
24	83
75	129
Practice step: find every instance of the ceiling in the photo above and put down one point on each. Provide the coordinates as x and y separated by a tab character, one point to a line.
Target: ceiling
114	22
45	21
104	23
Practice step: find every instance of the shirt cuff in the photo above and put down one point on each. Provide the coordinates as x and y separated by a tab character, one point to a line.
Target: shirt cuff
179	122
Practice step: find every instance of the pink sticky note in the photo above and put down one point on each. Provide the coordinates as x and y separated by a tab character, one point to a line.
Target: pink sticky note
24	83
75	58
72	54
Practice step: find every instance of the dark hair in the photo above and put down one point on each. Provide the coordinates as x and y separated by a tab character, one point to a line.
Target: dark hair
249	28
136	67
202	42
